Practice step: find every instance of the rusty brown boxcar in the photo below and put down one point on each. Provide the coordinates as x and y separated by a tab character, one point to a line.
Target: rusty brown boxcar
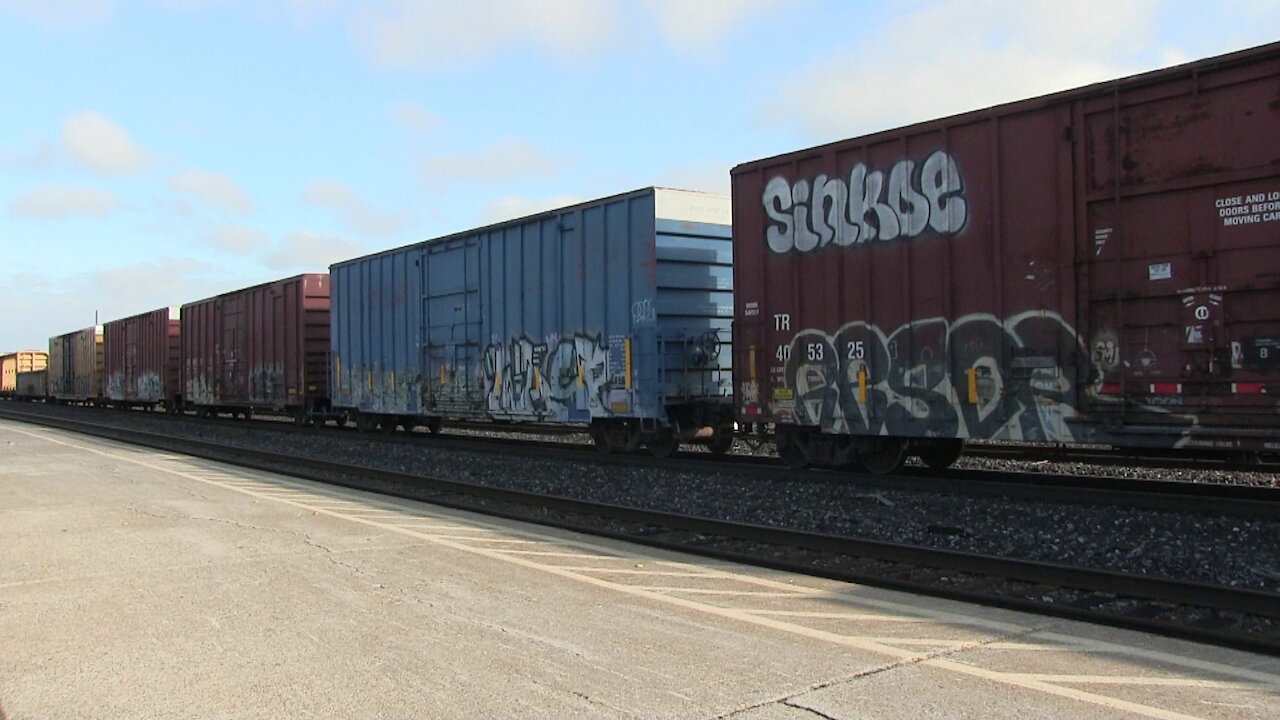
16	363
1100	265
141	360
75	366
260	349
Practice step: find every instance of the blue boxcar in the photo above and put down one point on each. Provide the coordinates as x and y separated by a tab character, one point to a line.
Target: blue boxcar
613	314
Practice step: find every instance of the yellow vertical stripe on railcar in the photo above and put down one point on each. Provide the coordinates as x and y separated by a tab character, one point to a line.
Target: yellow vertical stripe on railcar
862	386
628	353
973	385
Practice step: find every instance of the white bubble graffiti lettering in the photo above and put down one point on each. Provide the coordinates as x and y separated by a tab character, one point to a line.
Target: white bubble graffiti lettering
643	312
810	215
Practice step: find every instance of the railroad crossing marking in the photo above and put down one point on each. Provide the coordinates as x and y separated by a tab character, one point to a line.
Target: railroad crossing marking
420	521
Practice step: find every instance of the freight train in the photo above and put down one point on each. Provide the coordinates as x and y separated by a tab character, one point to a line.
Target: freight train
1099	266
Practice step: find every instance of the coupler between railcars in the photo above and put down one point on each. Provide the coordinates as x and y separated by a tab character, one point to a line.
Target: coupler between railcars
316	412
695	425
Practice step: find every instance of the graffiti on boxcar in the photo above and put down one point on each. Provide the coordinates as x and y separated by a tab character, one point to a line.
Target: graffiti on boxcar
1106	349
198	389
379	390
643	312
551	378
113	388
977	377
150	388
267	384
810	215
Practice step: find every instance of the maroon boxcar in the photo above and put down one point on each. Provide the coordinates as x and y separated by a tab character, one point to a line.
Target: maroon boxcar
260	349
141	360
1100	265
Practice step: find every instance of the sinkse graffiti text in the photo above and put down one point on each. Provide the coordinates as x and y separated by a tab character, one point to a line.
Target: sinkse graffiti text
811	215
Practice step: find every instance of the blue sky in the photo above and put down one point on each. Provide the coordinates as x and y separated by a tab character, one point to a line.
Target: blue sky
154	152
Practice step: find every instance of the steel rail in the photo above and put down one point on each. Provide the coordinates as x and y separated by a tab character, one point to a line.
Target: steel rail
1152	494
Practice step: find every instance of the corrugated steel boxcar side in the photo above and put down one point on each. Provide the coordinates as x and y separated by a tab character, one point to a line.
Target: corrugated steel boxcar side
15	363
75	366
613	313
142	359
32	385
1098	265
263	348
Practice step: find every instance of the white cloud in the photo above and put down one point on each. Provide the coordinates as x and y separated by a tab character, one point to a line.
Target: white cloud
55	202
353	211
236	239
694	25
503	160
957	55
213	189
413	116
146	285
306	251
100	144
408	33
517	206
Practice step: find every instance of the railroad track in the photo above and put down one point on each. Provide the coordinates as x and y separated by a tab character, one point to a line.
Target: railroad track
1153	494
1170	460
1219	614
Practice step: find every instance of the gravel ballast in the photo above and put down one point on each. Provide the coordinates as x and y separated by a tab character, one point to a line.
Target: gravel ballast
1226	549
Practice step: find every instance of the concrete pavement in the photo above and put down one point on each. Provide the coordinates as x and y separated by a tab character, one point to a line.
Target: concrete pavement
141	584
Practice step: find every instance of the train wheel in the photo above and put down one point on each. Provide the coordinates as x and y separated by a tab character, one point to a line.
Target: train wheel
790	449
941	454
434	425
721	443
301	417
663	444
883	456
366	423
600	437
388	424
631	438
